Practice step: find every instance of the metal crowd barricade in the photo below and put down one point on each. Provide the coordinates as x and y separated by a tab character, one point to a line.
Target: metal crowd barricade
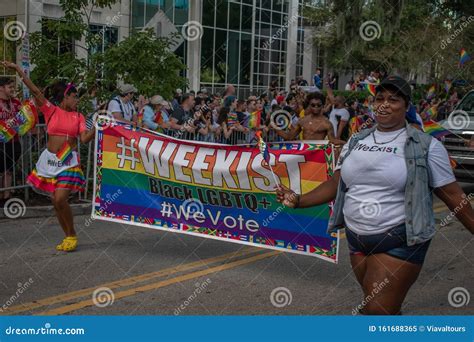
34	142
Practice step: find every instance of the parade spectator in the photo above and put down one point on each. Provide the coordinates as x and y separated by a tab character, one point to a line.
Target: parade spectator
153	117
182	117
314	125
122	106
10	151
317	80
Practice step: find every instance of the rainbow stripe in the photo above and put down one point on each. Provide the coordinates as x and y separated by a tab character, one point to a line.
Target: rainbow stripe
254	120
434	129
431	92
137	194
432	112
65	153
6	132
463	57
370	87
27	117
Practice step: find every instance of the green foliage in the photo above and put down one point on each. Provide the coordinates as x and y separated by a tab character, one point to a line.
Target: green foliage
142	59
411	35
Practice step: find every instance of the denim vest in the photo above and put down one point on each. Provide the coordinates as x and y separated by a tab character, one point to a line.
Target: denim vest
419	221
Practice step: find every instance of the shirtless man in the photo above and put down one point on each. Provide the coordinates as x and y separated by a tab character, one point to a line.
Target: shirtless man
314	125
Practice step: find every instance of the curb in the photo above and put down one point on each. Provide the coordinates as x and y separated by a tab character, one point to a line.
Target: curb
46	211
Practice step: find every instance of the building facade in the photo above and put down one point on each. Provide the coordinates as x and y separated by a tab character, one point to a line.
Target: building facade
247	43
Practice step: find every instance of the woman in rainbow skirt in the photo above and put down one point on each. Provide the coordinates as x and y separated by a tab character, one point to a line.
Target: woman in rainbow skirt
58	171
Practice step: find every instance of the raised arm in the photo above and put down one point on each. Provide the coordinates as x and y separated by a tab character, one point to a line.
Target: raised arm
35	91
324	193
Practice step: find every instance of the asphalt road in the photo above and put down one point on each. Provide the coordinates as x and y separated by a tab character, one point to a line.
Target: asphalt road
150	272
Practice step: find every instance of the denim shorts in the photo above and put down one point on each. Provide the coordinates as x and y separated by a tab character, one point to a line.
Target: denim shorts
392	242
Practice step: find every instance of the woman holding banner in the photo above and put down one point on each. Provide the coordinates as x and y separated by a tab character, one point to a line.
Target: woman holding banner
382	188
58	170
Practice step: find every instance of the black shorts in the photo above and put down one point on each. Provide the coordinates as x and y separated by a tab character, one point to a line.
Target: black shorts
392	242
10	152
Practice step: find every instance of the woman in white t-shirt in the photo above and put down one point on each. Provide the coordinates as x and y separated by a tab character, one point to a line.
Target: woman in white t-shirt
387	243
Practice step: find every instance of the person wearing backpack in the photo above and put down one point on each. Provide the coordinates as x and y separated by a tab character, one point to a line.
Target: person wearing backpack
121	106
382	189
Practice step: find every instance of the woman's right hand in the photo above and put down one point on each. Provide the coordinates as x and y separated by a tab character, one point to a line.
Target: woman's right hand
286	196
9	65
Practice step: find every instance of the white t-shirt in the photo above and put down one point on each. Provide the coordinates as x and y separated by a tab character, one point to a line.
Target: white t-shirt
118	106
376	174
342	113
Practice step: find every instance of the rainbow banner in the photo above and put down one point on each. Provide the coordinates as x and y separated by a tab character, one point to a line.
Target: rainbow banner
214	191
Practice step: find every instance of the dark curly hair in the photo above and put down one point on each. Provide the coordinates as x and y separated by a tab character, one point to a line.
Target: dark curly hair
314	96
55	92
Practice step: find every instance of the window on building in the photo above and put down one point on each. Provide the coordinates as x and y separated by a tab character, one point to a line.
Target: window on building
104	37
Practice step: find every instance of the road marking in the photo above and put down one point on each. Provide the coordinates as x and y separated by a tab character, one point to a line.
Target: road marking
126	282
163	283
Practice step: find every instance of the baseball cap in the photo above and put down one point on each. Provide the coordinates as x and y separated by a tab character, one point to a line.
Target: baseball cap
396	82
127	89
157	100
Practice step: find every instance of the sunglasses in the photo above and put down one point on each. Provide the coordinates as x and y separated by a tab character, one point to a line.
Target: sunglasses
316	105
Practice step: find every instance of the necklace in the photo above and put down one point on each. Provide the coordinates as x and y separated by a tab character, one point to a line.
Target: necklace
386	142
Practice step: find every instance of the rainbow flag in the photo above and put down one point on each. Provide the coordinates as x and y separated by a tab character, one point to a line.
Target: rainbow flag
432	112
232	119
431	92
65	153
254	120
463	57
447	85
370	87
435	129
263	147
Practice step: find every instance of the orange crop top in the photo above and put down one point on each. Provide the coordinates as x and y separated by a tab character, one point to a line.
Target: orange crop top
61	122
